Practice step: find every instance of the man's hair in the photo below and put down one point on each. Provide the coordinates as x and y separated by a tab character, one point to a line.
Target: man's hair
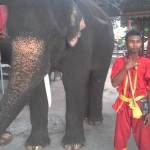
131	33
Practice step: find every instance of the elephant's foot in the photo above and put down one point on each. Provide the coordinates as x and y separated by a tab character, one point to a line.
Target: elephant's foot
73	143
93	120
5	138
37	141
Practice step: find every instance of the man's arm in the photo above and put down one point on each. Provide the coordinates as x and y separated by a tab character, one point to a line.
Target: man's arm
119	77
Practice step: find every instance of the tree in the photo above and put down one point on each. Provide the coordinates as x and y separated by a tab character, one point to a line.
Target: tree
147	28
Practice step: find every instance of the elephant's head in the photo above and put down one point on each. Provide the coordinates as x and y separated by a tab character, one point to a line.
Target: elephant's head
40	33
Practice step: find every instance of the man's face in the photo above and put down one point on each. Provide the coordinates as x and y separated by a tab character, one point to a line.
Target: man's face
134	44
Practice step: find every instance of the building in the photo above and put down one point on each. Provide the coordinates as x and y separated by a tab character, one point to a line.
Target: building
136	13
110	7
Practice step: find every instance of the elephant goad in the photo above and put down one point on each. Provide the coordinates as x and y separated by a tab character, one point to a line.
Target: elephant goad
72	36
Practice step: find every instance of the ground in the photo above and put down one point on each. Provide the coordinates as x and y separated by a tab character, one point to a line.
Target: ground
97	138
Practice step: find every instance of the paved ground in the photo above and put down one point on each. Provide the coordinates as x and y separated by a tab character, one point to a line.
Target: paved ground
97	138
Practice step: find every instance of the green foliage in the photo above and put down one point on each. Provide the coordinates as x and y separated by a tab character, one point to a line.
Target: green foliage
121	41
147	27
114	21
147	31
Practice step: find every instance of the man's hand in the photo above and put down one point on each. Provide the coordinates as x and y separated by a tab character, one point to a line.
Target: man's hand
146	121
130	64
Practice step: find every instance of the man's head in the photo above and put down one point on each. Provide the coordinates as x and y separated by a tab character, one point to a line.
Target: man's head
132	33
133	41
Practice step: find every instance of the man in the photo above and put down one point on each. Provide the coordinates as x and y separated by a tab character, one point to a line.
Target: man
131	76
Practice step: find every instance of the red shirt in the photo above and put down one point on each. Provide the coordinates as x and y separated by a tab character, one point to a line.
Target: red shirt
142	84
143	77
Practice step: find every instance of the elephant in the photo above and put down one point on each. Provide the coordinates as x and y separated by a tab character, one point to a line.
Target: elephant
74	37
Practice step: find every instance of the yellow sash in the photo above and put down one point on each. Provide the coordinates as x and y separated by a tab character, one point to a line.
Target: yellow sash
135	109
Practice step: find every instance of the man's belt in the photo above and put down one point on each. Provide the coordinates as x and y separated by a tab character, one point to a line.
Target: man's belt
135	109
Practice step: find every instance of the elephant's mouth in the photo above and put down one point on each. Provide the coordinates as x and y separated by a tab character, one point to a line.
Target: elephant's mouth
26	61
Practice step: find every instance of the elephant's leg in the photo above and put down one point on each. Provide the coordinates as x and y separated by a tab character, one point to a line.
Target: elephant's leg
39	118
28	60
97	81
74	88
86	100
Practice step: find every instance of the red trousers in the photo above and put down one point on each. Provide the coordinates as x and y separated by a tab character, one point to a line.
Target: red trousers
125	123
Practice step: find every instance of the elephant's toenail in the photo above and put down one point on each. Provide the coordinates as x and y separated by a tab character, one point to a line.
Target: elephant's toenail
90	123
97	123
29	148
68	147
76	147
38	147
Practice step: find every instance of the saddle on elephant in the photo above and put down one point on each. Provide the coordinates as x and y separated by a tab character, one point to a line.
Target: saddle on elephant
3	19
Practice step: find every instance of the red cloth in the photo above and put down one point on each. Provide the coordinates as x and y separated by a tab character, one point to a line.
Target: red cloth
143	81
124	120
143	75
148	48
3	18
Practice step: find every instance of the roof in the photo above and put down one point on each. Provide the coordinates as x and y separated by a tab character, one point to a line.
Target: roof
135	8
110	7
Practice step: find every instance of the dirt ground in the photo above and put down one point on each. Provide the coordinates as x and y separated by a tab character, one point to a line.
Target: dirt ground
97	138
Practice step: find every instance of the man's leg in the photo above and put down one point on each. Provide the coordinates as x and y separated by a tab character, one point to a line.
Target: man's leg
141	134
122	130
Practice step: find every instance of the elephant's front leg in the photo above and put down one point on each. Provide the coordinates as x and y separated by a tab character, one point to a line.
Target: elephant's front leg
27	71
74	136
39	118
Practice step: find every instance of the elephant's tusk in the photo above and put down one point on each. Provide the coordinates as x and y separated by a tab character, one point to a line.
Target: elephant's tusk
48	89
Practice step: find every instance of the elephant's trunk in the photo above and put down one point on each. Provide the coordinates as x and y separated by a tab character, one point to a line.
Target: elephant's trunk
27	71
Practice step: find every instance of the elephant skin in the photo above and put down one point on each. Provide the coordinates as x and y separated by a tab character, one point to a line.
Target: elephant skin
72	36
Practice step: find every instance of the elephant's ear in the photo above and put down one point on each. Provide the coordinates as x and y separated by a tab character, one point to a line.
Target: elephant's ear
76	25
